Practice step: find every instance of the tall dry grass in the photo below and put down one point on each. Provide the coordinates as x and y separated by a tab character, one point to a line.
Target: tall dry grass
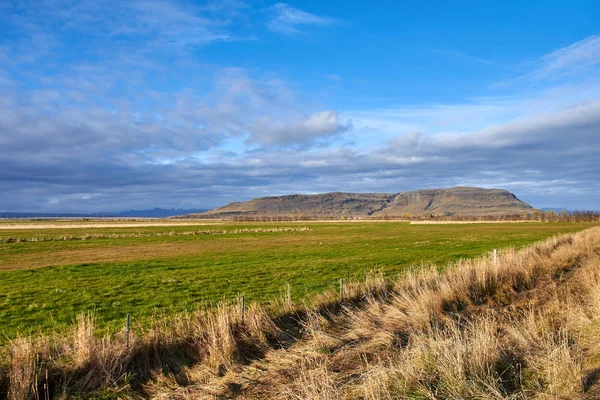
517	328
84	363
525	326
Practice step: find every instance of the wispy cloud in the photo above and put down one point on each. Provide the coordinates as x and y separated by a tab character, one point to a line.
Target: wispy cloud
287	20
230	7
573	59
152	25
173	24
465	56
333	77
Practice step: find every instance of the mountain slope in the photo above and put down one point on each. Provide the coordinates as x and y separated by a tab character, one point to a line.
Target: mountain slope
454	201
351	204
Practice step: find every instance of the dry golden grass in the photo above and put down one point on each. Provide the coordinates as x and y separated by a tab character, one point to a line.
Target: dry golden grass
523	327
454	222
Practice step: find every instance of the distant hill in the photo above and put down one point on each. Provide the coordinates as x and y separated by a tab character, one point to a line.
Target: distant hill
154	213
454	201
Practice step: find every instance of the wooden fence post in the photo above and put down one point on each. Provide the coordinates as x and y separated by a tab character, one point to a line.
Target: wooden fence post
127	329
47	387
243	307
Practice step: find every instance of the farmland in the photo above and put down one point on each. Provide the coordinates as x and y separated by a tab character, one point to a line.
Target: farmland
49	275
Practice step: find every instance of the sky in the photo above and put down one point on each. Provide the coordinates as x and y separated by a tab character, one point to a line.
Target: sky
112	105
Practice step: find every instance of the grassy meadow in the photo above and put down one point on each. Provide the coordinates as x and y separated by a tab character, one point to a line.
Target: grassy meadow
48	276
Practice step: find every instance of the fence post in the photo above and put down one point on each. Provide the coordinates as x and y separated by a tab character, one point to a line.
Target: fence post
495	256
127	329
47	387
243	307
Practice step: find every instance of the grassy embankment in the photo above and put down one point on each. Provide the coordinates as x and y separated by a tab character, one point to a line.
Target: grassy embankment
524	326
45	280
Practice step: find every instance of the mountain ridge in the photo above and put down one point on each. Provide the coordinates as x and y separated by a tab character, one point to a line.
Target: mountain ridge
459	200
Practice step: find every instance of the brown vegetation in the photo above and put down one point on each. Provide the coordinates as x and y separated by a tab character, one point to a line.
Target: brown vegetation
202	232
537	216
525	326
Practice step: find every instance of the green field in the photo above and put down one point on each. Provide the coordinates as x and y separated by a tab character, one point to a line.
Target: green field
161	269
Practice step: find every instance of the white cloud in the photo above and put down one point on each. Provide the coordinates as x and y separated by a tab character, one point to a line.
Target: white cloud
543	131
286	19
271	132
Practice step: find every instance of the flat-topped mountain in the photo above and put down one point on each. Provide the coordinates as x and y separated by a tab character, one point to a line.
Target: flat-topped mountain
455	201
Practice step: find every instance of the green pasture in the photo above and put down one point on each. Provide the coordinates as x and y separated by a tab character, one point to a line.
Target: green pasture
44	285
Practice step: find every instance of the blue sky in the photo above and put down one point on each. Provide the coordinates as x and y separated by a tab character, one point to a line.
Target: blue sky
110	105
